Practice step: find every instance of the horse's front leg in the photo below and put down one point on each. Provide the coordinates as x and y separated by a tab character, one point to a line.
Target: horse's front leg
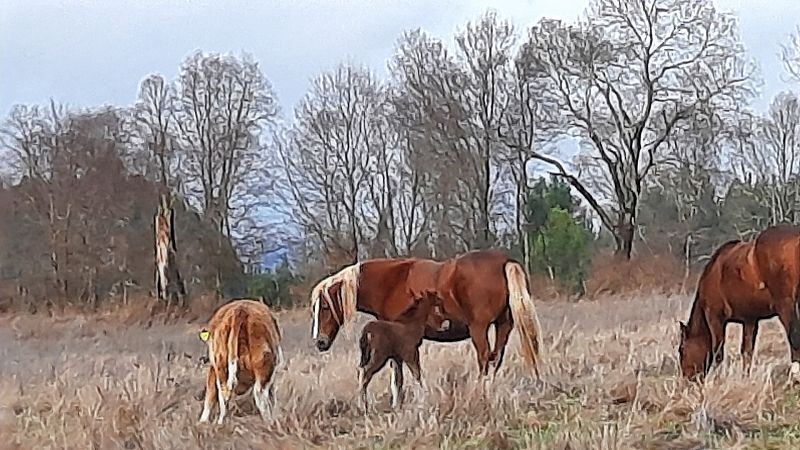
787	314
749	333
716	324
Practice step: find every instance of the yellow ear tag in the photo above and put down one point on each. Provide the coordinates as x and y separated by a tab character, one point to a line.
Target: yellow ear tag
204	335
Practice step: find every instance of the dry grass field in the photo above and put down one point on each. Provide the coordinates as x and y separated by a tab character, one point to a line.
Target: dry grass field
610	383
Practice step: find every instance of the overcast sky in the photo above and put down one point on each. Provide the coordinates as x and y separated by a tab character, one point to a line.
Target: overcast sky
95	52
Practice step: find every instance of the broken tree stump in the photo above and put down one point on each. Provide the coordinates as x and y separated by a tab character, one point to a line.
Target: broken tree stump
169	284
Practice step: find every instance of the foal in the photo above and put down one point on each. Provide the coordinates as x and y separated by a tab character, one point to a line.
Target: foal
399	341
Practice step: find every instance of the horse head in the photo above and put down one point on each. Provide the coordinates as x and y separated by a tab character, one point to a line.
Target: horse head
327	320
333	304
436	319
694	353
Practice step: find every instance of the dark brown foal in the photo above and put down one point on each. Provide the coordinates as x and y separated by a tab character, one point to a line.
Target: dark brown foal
399	342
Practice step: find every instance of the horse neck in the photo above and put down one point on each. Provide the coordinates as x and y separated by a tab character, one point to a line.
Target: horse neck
698	326
371	298
367	304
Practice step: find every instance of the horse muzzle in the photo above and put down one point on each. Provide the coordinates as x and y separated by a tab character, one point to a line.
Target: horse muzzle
322	343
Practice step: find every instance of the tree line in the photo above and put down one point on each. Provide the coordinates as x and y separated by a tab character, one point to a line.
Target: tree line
630	125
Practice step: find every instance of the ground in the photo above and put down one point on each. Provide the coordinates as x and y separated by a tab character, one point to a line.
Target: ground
610	382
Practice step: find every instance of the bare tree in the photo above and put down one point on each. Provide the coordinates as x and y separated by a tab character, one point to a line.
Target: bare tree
35	138
31	137
153	128
225	108
521	132
337	160
767	156
431	112
622	81
790	55
485	48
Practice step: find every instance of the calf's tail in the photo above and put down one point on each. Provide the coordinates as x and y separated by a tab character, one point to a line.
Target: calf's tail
240	318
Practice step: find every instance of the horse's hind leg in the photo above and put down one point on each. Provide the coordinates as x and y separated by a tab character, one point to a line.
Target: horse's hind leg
366	377
480	339
749	333
503	327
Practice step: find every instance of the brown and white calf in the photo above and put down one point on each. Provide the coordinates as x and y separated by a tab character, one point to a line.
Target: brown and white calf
399	341
244	350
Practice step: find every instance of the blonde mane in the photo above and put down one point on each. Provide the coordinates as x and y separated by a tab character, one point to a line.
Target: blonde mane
348	294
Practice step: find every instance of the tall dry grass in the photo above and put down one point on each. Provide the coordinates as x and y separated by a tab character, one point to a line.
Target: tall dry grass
610	382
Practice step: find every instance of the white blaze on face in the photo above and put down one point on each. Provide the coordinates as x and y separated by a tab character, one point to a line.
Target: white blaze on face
315	326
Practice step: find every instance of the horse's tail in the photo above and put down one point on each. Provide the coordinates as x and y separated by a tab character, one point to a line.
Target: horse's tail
363	344
523	311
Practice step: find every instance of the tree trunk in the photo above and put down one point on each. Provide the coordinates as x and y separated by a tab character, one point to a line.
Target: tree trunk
169	284
623	236
526	251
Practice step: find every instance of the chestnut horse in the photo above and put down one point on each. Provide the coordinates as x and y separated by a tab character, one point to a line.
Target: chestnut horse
744	282
478	289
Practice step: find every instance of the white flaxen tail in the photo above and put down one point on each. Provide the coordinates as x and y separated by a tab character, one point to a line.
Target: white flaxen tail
523	311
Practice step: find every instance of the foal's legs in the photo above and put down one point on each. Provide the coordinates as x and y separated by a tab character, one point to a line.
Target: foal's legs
366	376
503	326
480	339
749	333
413	366
397	382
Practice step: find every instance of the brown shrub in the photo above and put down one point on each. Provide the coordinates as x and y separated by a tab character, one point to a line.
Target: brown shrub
546	289
610	275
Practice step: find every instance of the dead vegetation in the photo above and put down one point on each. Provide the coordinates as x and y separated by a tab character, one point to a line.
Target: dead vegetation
610	275
610	382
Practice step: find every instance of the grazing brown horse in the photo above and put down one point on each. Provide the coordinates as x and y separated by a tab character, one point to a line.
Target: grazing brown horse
399	342
744	282
478	289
